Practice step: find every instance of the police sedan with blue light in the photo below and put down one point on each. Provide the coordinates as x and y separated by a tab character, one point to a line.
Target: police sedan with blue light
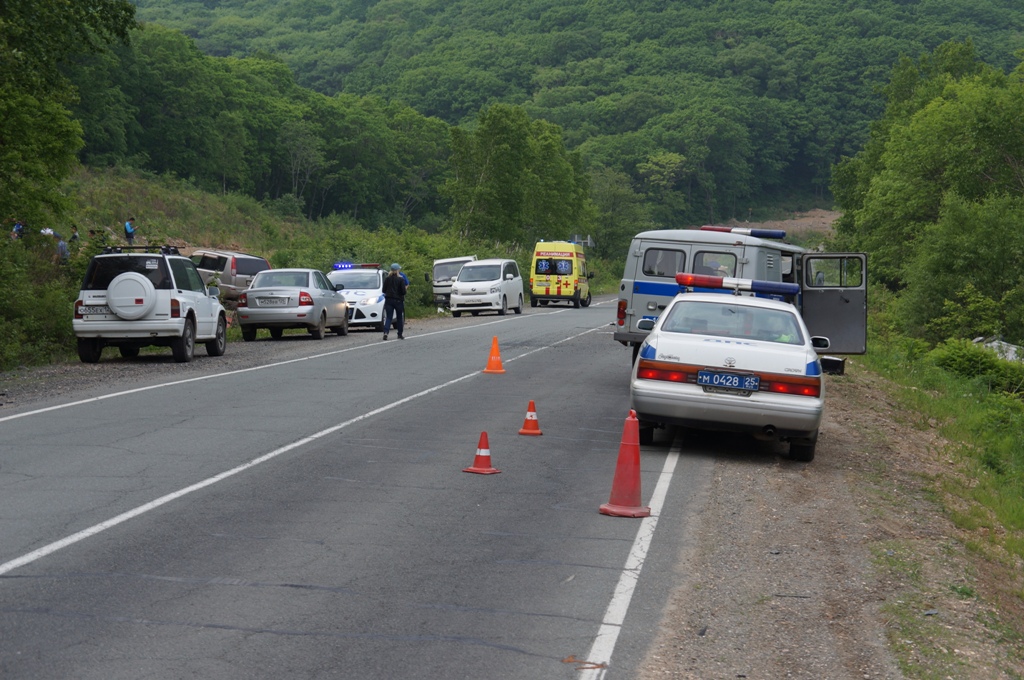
363	287
731	362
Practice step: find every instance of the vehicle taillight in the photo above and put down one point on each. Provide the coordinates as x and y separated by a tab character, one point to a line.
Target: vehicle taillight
305	299
243	300
78	309
620	314
175	308
234	267
662	370
799	386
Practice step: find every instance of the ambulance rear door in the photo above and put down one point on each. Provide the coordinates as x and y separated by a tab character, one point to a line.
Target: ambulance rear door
834	299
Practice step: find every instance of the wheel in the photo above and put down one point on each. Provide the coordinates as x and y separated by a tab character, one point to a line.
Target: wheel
636	352
217	346
533	302
646	435
475	313
276	333
342	329
89	350
803	450
128	351
456	315
249	333
544	303
131	296
378	327
519	309
320	329
184	348
576	300
504	307
586	303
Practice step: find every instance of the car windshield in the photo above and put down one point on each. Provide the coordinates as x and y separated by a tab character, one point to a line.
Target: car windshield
447	270
487	272
103	270
741	322
355	280
280	279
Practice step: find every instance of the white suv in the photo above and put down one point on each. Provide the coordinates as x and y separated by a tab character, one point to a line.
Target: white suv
488	285
133	297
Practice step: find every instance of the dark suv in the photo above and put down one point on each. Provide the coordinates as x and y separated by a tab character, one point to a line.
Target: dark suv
233	271
137	296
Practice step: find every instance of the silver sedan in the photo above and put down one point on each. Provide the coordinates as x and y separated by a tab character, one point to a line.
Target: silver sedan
292	298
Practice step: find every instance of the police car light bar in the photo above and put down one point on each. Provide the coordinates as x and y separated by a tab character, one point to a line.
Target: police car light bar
349	265
767	287
760	233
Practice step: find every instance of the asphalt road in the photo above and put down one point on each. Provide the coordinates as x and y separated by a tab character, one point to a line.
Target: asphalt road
309	517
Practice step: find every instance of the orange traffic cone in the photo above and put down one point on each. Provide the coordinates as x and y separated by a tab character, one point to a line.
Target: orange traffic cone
625	498
494	362
482	462
530	425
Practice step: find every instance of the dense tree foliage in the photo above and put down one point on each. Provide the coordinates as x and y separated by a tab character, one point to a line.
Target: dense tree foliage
38	138
710	108
937	196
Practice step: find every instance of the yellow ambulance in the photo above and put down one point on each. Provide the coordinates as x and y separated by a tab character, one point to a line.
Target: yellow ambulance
559	274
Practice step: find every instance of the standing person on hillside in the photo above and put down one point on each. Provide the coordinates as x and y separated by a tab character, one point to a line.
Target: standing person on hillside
394	301
129	231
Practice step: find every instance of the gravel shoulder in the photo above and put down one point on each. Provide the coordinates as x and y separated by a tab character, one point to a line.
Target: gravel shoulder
846	567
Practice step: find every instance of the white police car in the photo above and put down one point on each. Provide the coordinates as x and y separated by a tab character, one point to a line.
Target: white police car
732	362
363	288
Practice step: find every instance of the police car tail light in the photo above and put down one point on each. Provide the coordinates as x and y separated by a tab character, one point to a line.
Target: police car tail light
175	308
243	300
305	299
668	372
760	233
620	313
731	283
799	386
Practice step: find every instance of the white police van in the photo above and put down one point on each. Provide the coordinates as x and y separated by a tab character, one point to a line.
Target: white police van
832	296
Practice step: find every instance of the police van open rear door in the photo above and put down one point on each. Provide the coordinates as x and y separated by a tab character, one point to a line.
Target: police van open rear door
834	299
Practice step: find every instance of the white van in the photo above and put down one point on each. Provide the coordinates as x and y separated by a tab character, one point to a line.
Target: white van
833	286
488	286
443	273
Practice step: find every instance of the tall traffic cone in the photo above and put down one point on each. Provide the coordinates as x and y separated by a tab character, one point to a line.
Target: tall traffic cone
494	362
625	498
530	425
482	462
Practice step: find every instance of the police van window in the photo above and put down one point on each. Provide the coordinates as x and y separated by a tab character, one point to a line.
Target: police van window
659	262
834	272
714	264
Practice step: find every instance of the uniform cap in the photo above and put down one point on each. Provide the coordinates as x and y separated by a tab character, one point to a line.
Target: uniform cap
395	266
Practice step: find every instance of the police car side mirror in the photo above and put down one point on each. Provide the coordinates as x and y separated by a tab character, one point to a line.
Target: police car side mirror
819	342
645	324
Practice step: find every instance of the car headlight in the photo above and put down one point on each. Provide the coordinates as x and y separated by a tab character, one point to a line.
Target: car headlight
495	289
371	300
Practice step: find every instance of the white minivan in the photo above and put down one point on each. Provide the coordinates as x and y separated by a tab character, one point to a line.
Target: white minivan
488	286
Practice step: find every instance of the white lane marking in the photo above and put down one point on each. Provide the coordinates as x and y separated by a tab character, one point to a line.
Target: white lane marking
599	659
125	516
252	368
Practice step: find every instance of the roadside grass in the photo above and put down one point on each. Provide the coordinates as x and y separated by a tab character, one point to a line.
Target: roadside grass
980	490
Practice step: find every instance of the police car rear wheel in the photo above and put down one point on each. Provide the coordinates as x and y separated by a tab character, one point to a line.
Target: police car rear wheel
276	333
802	451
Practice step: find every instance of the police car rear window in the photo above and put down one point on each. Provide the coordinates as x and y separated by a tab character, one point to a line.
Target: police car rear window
661	262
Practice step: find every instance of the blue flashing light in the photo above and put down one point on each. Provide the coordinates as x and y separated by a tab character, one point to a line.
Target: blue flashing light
343	265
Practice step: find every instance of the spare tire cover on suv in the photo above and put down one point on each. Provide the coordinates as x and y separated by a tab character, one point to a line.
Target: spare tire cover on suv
131	296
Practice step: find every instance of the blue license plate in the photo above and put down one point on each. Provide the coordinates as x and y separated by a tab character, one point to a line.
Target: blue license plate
731	381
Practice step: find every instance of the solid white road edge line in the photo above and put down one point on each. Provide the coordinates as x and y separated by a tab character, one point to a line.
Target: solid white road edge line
163	500
599	659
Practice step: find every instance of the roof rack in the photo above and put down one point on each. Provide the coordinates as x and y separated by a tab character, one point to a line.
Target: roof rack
163	250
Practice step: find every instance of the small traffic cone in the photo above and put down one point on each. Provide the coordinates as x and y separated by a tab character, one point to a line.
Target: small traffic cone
482	462
530	425
494	362
625	497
